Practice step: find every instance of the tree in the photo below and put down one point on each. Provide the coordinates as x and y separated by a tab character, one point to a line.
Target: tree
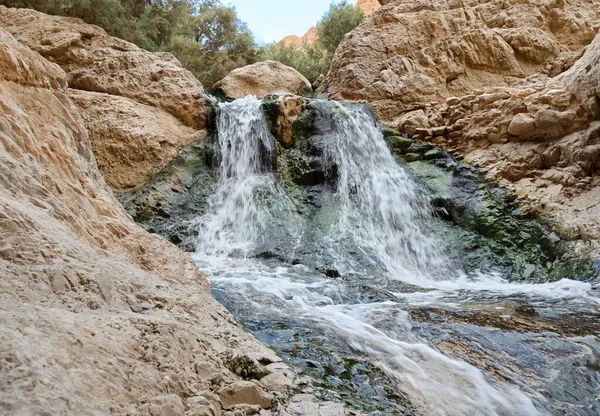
311	60
341	19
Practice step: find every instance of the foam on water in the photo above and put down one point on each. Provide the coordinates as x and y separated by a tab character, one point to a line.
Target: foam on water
384	216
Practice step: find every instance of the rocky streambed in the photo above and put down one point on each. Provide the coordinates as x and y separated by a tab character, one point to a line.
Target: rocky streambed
391	275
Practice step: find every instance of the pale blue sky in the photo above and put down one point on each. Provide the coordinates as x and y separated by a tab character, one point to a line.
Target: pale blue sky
271	20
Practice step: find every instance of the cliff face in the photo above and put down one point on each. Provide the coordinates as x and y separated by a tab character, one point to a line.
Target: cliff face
412	53
155	107
511	86
96	315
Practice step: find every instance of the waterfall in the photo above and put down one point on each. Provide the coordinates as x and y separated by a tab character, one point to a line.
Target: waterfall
379	214
248	196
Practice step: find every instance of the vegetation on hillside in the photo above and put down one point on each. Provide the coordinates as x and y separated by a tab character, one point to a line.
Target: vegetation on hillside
207	36
313	59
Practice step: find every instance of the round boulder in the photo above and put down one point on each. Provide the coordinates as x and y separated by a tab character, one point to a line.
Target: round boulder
262	78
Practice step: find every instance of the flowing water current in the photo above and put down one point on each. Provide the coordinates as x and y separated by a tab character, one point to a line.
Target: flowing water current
375	231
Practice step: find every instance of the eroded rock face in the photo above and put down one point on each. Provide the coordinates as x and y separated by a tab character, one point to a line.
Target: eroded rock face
261	79
97	62
131	141
540	139
410	54
93	310
141	107
368	6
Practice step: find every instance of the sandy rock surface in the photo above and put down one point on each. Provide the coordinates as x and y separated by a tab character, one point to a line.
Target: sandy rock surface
96	315
412	53
263	78
132	141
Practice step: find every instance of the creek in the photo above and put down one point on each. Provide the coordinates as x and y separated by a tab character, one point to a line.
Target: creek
354	278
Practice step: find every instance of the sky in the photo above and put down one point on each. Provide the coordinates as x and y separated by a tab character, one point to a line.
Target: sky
272	20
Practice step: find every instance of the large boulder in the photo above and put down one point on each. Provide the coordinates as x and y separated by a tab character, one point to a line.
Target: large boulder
261	79
411	54
96	315
132	141
140	107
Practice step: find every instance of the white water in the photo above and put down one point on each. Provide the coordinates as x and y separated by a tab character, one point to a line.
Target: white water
383	215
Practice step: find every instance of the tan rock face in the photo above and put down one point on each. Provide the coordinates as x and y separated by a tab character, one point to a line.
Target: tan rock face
97	62
368	6
414	53
93	310
540	139
261	79
132	141
140	107
284	110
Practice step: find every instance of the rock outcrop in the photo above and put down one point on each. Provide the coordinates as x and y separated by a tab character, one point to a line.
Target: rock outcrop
368	6
411	54
131	141
144	101
96	315
511	86
261	79
306	39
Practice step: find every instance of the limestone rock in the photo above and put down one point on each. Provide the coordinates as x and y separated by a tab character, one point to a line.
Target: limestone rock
521	125
131	141
368	6
141	108
169	405
245	392
97	62
261	79
583	79
93	309
413	120
281	111
412	53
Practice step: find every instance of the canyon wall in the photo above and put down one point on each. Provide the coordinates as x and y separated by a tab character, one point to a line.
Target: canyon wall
510	86
98	316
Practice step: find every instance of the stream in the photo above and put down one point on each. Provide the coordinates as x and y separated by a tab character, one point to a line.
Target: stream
353	281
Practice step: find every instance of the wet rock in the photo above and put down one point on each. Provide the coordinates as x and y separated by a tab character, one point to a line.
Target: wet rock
244	392
281	111
399	144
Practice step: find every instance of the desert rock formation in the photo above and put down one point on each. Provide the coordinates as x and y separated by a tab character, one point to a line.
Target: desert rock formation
97	315
413	53
142	107
508	85
306	39
261	79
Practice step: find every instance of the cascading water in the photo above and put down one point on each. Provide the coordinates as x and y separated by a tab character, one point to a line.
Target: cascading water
378	214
